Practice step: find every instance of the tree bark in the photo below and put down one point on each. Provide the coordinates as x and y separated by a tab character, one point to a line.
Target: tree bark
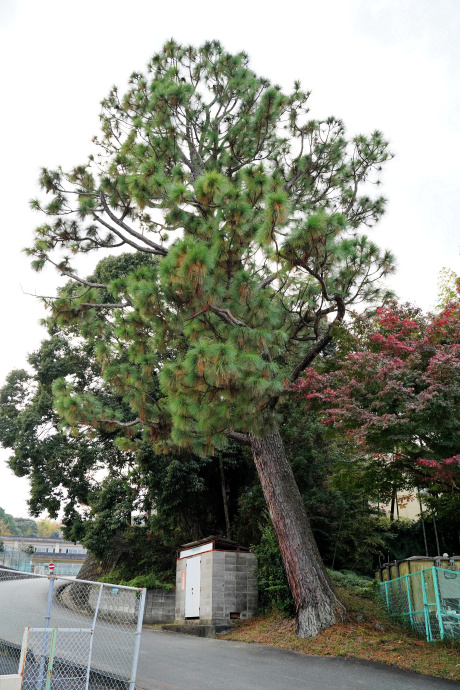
196	528
224	499
392	506
316	603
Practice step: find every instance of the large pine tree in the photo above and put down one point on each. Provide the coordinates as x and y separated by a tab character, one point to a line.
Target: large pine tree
251	210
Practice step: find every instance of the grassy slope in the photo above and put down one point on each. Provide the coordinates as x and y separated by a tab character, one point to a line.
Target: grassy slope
367	634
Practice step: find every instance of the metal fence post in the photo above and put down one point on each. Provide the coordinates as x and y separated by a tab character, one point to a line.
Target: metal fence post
49	674
438	601
49	604
429	636
386	594
409	602
137	645
23	657
96	611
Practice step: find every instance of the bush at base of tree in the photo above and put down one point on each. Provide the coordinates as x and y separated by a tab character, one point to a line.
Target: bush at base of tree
356	582
274	592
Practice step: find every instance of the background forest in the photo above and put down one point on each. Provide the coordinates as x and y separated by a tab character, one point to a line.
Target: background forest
27	527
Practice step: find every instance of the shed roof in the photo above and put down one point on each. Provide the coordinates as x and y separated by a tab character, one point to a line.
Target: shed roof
221	543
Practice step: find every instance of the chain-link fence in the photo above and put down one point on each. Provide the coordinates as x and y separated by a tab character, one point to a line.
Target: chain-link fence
19	560
113	614
14	558
56	658
428	601
59	568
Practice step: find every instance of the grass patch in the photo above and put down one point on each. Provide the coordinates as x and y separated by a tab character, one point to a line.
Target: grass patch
368	633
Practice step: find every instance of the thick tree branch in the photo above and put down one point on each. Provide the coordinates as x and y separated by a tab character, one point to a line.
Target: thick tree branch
82	281
108	305
267	281
227	316
158	248
138	420
237	436
145	250
75	277
322	342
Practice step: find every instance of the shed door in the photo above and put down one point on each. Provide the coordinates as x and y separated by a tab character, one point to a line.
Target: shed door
192	587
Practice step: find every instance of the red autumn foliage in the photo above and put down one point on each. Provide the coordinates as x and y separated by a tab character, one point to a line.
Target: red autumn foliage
396	390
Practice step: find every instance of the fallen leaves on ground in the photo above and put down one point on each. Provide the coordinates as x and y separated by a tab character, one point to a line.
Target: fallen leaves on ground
368	634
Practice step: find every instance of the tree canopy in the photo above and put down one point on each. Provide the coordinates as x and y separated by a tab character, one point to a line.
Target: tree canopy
268	205
250	212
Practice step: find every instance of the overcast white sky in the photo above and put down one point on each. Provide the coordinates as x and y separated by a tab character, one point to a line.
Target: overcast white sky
391	65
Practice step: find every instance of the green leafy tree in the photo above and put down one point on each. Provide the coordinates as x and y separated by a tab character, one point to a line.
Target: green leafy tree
86	476
26	527
20	527
48	528
448	282
60	465
7	524
251	210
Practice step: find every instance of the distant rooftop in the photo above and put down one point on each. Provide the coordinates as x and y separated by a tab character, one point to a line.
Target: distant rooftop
54	540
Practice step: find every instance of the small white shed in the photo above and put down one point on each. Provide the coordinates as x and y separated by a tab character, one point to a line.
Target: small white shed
215	582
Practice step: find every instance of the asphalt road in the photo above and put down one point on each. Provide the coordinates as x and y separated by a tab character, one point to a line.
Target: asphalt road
182	662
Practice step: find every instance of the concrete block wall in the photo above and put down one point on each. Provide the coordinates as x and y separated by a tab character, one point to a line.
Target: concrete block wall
206	601
234	587
180	594
113	601
159	606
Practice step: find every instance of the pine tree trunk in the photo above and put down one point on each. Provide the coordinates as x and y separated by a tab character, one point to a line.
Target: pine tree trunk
224	499
392	506
316	603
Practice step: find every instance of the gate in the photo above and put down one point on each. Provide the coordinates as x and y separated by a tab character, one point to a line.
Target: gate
98	629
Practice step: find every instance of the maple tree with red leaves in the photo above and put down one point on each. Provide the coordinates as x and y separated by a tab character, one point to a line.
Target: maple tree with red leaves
394	390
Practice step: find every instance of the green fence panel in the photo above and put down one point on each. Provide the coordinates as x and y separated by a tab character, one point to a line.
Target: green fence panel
438	604
428	601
